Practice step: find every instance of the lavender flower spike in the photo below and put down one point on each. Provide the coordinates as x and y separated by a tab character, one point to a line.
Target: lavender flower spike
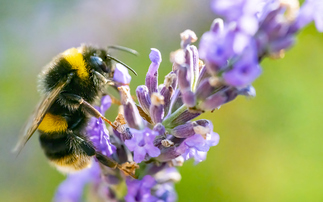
152	74
161	134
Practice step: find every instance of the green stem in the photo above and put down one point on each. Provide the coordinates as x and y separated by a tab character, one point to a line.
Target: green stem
174	115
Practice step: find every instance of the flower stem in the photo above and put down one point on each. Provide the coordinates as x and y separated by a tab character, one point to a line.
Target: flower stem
174	115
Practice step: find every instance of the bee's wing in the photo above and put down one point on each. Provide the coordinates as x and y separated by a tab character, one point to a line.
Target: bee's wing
38	115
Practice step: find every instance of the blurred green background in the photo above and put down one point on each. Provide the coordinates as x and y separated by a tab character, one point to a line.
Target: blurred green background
270	147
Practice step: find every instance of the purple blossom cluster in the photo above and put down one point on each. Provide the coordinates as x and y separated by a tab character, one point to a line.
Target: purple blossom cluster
252	30
162	124
160	132
153	188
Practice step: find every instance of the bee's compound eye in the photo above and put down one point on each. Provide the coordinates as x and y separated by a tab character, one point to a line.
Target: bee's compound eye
99	64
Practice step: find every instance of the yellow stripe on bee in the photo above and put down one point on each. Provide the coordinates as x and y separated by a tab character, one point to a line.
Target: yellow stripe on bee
53	123
76	60
72	163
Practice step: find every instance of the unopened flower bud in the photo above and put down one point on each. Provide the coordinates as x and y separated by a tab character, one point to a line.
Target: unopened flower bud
191	128
131	112
194	65
143	96
160	129
167	90
204	89
184	117
213	101
249	92
188	37
152	74
177	58
217	25
157	108
176	101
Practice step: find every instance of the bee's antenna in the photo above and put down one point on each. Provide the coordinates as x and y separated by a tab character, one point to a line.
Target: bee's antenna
125	49
115	59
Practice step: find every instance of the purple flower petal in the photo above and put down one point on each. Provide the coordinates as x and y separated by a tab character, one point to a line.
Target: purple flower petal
311	10
105	103
121	74
149	137
155	57
196	146
217	25
131	144
213	139
153	152
139	154
199	156
140	190
97	131
245	70
142	144
217	48
242	74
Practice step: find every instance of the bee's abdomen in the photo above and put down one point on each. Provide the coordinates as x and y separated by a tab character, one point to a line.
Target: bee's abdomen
55	145
63	152
58	131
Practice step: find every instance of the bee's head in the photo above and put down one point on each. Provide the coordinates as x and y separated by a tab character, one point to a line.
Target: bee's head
99	65
101	62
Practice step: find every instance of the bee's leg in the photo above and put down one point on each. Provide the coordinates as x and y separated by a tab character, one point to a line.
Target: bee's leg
86	107
90	151
127	168
86	147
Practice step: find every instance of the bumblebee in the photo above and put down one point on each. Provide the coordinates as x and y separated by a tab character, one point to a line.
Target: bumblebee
70	84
